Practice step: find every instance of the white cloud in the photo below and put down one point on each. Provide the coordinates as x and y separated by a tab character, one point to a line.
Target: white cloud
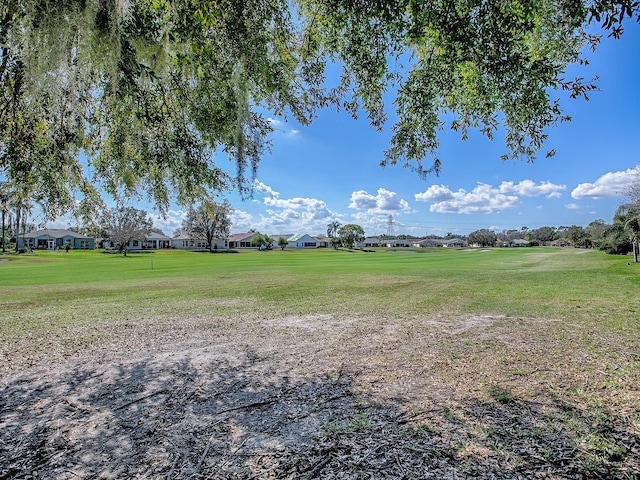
384	202
170	223
289	215
482	199
612	184
485	198
435	193
277	125
264	189
528	188
571	206
241	221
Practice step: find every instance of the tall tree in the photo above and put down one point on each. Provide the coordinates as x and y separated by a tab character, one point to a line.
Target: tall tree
633	191
483	237
332	233
22	205
350	234
626	220
149	89
262	241
4	211
124	224
209	220
596	232
576	236
544	234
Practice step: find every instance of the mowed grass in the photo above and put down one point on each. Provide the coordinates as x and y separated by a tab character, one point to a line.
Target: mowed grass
55	288
510	349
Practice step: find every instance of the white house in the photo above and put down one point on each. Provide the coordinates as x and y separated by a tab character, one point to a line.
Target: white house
322	241
156	240
153	241
302	240
369	242
428	243
187	242
396	242
455	243
519	242
242	240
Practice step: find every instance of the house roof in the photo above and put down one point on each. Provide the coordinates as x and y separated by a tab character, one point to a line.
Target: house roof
283	235
431	241
54	233
184	236
453	240
299	236
157	236
239	237
321	238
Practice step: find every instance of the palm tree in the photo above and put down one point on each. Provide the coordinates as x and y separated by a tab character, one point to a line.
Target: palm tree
23	207
4	209
627	220
332	232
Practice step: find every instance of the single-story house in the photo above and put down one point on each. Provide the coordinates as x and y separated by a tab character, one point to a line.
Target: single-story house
186	242
52	238
369	242
428	243
519	242
242	240
156	240
322	241
152	241
397	242
302	240
455	243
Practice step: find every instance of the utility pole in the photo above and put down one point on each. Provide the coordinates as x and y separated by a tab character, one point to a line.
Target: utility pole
390	230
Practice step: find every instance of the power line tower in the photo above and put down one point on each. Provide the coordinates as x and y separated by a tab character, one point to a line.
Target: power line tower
390	230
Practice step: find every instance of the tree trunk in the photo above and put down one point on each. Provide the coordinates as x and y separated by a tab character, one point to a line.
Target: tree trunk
17	232
636	248
2	239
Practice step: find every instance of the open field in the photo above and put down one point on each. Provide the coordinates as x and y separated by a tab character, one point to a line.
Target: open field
501	363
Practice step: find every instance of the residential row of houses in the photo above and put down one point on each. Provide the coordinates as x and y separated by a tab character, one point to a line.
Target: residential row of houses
51	239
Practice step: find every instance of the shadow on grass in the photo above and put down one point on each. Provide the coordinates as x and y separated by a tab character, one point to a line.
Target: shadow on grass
234	416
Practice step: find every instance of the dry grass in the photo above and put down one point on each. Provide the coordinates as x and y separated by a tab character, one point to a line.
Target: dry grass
225	386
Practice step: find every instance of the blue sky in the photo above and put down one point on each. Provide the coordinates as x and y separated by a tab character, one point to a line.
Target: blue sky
330	170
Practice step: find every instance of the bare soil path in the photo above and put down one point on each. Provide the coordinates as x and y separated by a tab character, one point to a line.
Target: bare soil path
313	397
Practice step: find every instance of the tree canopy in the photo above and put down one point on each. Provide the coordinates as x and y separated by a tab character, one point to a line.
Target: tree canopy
148	90
210	221
262	241
483	237
124	224
350	234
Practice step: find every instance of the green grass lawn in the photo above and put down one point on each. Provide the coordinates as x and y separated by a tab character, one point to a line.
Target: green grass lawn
543	336
55	288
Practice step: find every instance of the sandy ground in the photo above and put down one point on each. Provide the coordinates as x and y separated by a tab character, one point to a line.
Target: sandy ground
303	397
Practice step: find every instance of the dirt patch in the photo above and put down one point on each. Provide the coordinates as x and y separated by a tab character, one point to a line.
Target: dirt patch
318	397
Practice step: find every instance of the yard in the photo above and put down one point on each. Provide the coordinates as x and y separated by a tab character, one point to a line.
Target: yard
437	363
